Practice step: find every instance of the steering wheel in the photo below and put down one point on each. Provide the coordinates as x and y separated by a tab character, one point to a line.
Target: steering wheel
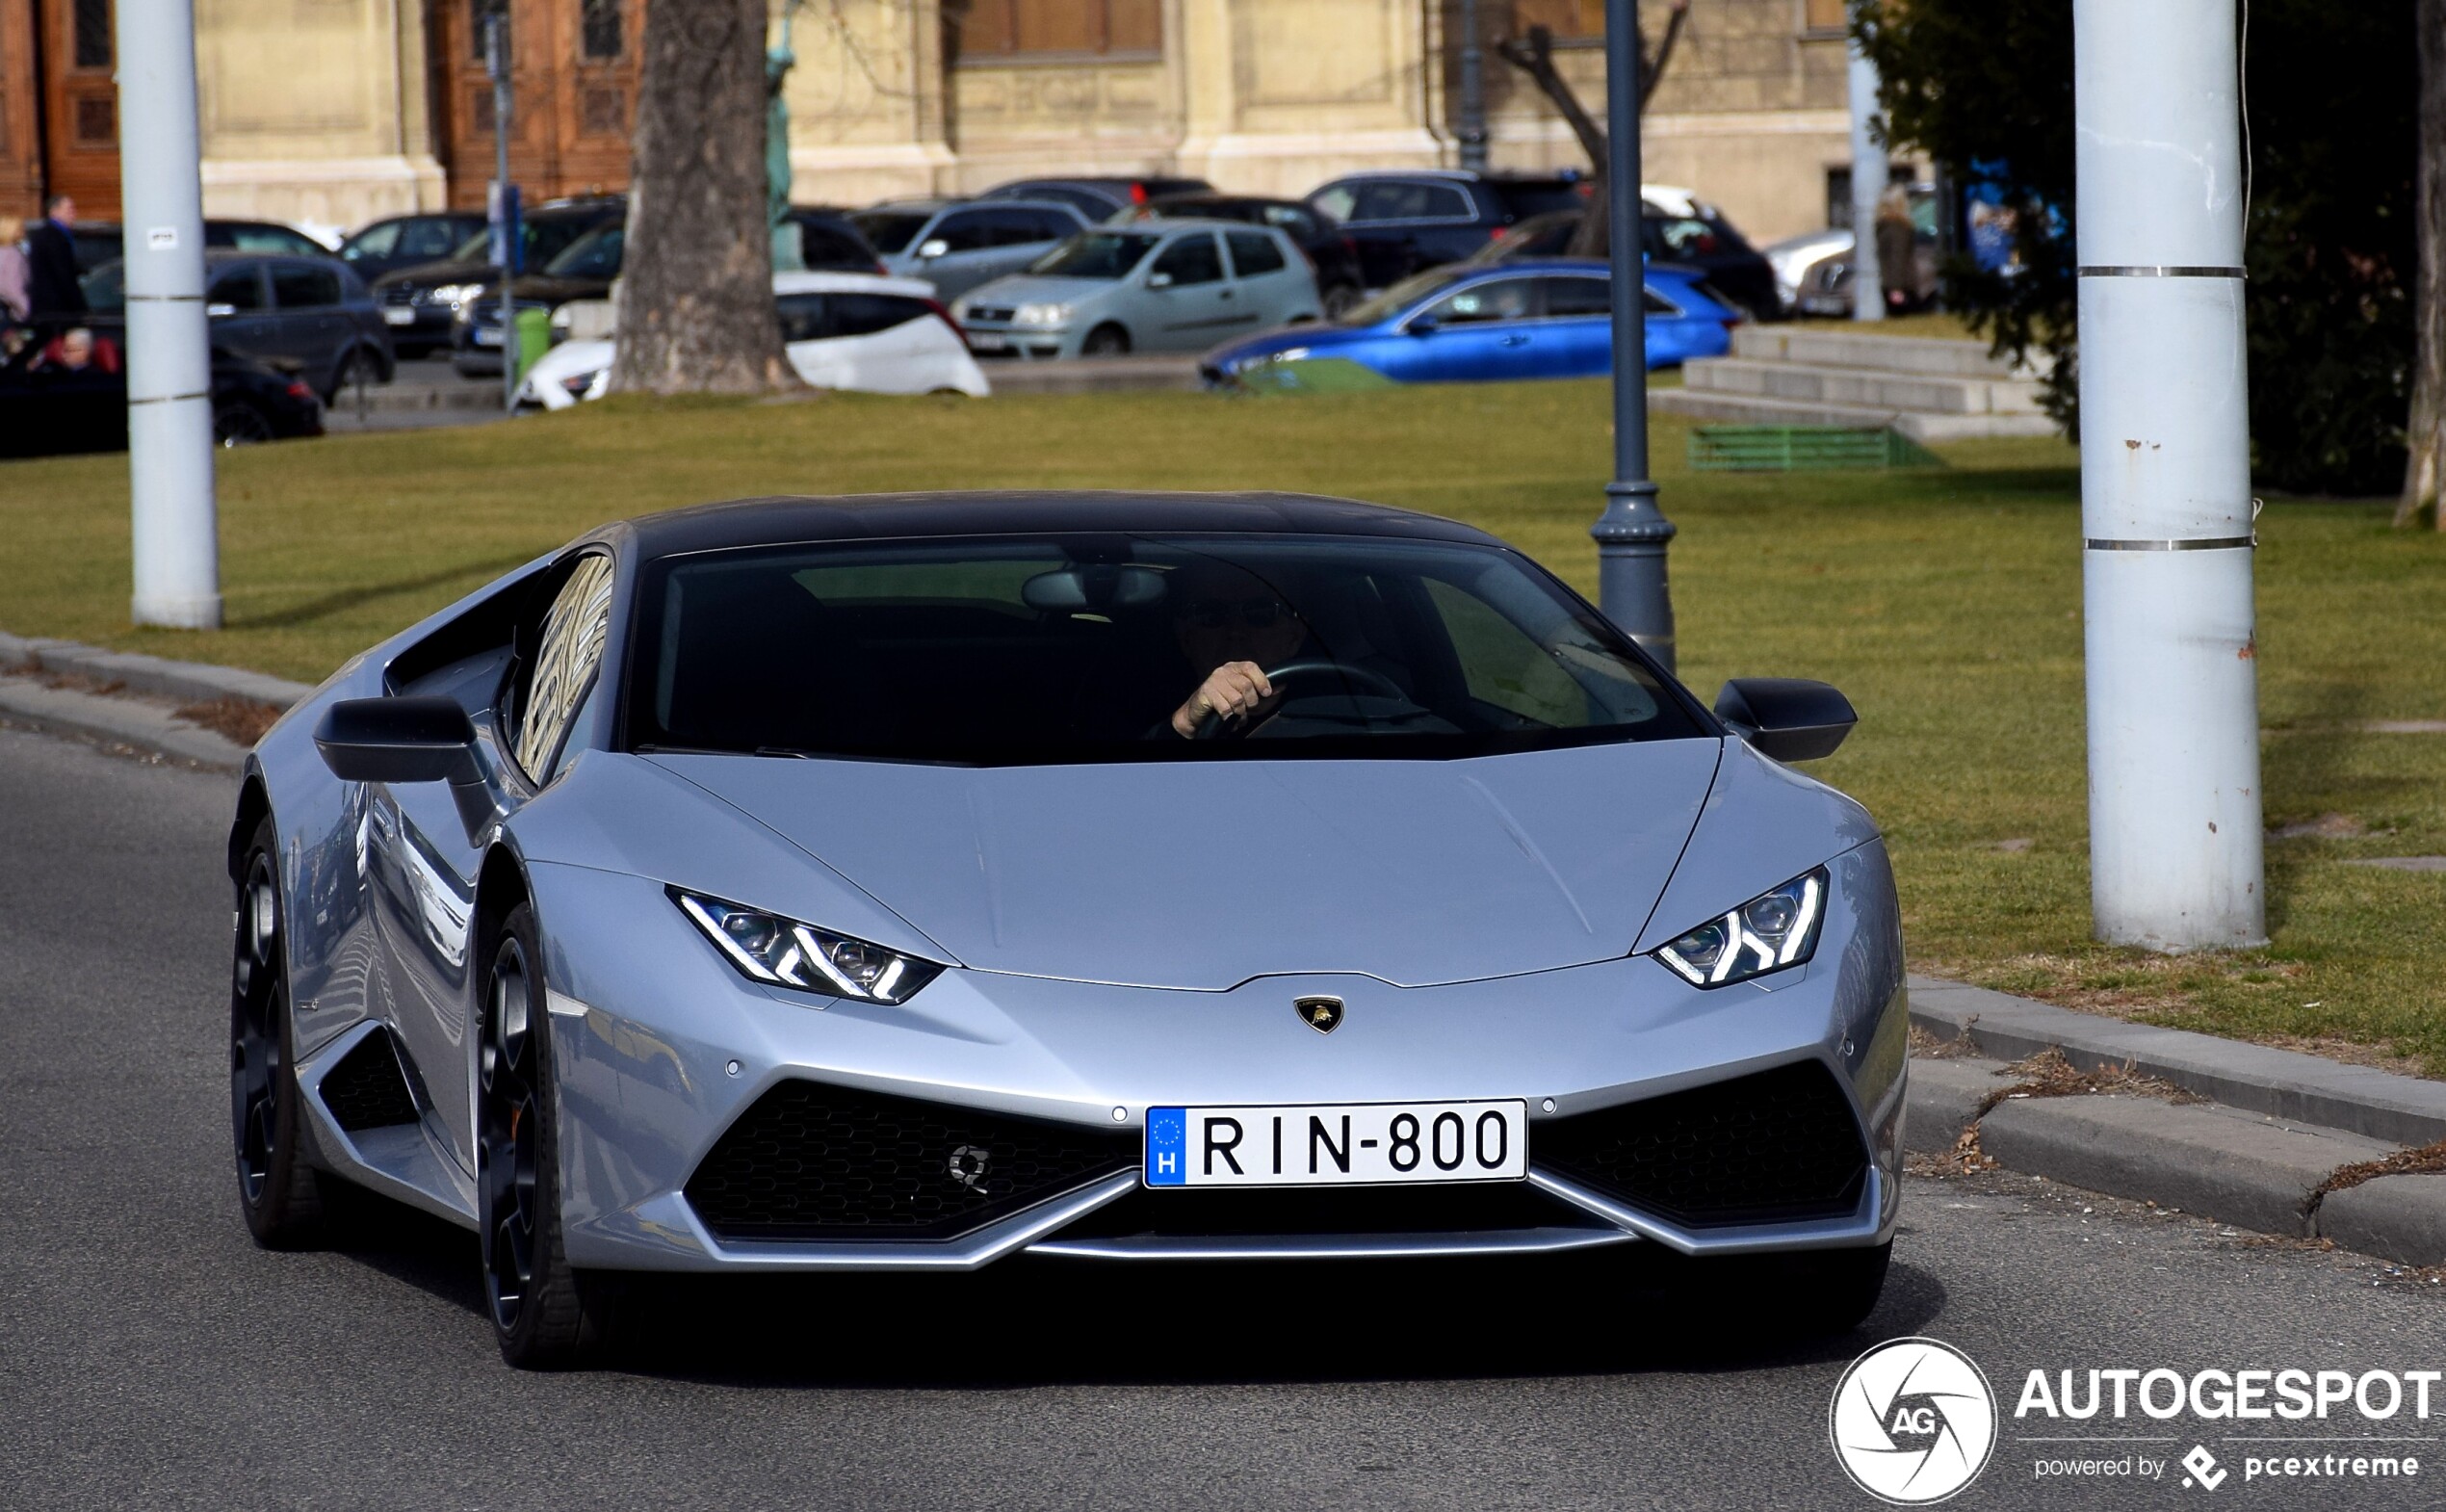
1211	723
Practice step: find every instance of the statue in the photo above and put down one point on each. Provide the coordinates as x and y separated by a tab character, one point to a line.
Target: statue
788	253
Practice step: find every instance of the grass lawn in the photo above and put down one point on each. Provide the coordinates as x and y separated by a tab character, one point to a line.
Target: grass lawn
1944	602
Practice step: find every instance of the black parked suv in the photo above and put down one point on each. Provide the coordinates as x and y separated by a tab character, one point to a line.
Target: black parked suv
1331	251
1098	199
420	303
307	316
1701	239
1407	221
827	242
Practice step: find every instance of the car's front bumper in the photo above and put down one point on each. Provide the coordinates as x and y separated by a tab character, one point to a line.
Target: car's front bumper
999	342
660	1048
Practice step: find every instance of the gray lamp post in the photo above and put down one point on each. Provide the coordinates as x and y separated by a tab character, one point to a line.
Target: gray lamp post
1473	90
1632	534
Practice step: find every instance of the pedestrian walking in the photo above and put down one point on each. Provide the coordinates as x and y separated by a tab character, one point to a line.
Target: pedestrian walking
15	299
1897	250
50	250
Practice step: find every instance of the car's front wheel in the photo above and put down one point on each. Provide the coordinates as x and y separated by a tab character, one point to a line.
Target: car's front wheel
278	1190
545	1316
1105	341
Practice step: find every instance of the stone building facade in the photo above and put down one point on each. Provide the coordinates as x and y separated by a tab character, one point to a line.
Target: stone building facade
330	111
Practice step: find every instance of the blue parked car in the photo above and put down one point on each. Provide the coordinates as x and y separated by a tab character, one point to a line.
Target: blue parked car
1548	318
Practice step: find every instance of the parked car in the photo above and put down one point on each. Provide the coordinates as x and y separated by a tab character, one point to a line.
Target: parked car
1170	286
956	245
99	241
845	330
421	303
587	267
1330	250
1098	199
1699	238
1813	271
48	408
409	241
1535	320
310	316
1406	221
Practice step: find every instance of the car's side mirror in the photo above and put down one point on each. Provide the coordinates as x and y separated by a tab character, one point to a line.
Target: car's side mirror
1424	326
397	739
929	250
1158	280
1789	718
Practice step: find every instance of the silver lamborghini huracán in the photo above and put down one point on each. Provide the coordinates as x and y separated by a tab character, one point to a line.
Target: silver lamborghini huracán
910	882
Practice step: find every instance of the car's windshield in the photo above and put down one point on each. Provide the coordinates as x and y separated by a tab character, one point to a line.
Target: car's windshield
1024	650
593	255
1096	255
1391	302
543	240
888	231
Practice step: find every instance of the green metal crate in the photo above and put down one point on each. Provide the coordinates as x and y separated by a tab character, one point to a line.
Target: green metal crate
1785	449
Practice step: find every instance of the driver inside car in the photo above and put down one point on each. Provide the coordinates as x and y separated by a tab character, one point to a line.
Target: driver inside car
1231	621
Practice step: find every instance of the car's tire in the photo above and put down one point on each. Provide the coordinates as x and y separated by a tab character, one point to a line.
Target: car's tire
1105	341
279	1192
235	422
545	1316
358	366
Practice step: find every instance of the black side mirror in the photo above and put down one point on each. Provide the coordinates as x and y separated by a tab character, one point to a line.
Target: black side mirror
1789	718
1421	326
398	739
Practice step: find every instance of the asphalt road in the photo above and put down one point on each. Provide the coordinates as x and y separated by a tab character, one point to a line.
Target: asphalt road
150	1356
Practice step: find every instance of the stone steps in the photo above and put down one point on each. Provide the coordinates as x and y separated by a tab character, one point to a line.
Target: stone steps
1929	389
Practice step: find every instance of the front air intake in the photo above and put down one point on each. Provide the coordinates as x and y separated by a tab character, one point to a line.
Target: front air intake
1773	1147
815	1162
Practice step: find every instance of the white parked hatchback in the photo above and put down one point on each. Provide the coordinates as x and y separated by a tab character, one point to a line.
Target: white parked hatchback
842	330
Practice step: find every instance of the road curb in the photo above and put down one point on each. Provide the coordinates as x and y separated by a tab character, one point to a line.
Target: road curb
142	726
189	682
2224	1163
2282	1083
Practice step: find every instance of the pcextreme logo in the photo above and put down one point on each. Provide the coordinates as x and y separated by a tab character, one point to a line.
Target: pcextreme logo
1912	1422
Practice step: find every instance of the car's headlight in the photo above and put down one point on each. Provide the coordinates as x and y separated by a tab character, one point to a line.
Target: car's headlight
1769	932
769	948
456	293
1041	315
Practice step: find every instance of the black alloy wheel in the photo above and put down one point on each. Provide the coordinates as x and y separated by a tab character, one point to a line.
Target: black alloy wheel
544	1315
237	423
277	1188
1105	341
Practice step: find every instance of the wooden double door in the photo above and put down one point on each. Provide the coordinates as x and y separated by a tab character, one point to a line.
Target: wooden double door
59	108
574	76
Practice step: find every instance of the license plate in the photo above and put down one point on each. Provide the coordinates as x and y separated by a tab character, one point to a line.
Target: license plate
399	317
483	337
987	341
1339	1144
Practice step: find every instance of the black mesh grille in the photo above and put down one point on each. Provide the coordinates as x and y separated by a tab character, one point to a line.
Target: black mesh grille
1778	1145
810	1161
1461	1208
367	1089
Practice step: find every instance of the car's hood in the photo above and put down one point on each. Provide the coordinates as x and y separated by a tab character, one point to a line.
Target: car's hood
1025	288
435	274
1204	875
553	290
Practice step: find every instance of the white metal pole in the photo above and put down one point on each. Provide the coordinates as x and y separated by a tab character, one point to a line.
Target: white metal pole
170	449
2166	510
1868	186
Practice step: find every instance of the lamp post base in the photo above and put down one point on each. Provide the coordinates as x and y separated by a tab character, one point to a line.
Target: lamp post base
1631	537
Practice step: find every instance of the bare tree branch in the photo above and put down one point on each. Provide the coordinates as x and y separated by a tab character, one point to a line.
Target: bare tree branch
1534	56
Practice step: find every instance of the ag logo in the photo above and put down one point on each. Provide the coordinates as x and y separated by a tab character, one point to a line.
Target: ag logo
1321	1014
1912	1422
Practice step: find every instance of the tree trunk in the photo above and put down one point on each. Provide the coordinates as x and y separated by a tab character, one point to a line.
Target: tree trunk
2425	468
697	282
1534	56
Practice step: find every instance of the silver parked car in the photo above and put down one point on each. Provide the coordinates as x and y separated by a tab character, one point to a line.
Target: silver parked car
1153	286
956	245
908	882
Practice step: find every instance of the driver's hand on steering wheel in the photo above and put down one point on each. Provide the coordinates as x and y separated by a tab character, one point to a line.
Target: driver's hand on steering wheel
1233	692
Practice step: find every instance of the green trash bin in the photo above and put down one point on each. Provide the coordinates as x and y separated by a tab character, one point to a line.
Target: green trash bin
534	338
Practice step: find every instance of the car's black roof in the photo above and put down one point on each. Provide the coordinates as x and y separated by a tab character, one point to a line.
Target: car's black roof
783	520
